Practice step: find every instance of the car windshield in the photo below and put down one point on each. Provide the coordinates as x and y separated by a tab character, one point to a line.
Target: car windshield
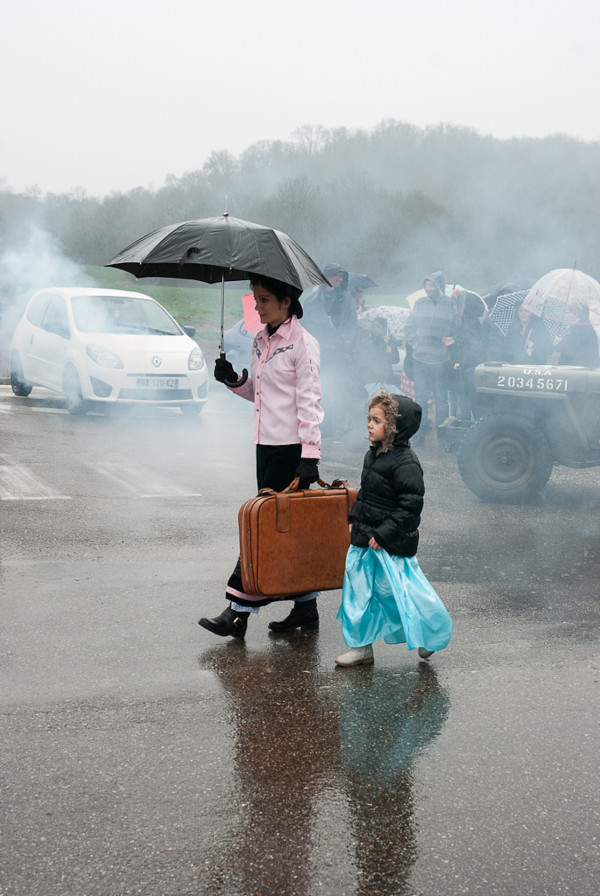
121	314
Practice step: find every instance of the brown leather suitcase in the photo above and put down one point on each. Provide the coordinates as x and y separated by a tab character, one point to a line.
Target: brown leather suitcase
295	541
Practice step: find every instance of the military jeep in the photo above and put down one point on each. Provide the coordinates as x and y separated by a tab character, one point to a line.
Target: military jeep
528	419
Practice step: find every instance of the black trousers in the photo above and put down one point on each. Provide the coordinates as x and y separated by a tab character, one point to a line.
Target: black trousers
275	468
276	465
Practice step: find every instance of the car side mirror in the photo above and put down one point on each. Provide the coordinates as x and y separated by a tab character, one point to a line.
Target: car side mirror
191	331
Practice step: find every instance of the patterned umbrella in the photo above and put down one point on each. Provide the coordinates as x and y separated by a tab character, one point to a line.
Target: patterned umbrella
396	317
503	312
555	293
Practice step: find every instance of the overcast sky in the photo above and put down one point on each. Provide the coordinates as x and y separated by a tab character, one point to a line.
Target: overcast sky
111	95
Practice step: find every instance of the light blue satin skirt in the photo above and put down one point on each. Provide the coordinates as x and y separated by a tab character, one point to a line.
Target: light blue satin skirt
386	596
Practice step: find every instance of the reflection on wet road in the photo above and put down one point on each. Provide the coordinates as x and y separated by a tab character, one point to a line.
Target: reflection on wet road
303	746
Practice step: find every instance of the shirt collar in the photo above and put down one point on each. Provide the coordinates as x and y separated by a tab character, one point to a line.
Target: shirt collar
284	329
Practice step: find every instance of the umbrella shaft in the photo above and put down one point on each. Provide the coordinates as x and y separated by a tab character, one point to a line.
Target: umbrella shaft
222	343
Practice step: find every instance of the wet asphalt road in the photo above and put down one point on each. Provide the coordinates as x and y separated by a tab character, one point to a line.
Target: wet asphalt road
141	755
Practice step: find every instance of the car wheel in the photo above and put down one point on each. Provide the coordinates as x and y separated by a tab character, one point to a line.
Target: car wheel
72	392
191	410
505	459
17	383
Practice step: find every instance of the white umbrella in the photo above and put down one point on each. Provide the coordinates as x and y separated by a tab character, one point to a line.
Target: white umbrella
556	292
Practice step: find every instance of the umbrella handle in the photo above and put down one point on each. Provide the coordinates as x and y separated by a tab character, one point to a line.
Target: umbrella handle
239	382
236	383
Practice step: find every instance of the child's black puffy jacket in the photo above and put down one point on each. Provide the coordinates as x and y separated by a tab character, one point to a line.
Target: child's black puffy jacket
390	499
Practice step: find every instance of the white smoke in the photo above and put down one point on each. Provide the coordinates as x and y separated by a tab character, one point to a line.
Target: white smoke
36	263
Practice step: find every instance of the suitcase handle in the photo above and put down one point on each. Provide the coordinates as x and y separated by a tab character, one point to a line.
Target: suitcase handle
282	499
293	486
337	483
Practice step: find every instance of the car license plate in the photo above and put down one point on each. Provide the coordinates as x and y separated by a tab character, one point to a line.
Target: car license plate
156	382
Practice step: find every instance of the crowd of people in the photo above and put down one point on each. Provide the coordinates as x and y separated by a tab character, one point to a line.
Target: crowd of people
447	334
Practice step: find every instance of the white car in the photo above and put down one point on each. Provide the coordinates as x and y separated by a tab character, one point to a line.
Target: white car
104	347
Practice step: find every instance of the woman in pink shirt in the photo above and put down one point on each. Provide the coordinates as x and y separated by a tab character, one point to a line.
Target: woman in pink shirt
286	390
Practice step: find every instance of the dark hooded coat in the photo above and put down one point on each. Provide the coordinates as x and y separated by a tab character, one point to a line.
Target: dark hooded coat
330	315
431	319
469	336
579	348
529	345
390	499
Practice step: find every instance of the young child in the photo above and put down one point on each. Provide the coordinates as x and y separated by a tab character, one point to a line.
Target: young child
386	595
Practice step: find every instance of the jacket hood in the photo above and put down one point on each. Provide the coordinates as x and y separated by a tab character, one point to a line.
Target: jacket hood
408	419
332	269
469	305
439	281
403	418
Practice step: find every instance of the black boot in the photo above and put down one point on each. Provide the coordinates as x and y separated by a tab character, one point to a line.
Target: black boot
303	615
230	622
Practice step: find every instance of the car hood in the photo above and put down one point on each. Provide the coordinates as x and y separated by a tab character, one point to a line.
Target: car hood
142	344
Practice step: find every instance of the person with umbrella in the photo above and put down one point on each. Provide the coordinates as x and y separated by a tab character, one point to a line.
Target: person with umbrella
579	346
357	284
527	339
285	388
286	391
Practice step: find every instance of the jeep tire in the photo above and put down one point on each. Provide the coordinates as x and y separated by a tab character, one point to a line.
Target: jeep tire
505	459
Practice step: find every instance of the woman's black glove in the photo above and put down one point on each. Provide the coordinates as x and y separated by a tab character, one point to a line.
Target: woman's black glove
308	471
224	371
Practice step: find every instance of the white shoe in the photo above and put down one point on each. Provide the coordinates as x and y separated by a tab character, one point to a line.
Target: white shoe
356	656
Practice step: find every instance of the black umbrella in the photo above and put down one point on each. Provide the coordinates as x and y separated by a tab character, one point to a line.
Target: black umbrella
216	250
359	282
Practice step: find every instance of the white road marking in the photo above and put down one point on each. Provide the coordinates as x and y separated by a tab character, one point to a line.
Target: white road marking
18	484
139	479
24	404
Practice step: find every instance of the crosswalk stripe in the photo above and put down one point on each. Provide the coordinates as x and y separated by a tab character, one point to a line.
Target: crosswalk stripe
139	480
18	484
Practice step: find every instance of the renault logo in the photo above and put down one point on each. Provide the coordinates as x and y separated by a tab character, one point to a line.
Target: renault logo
156	362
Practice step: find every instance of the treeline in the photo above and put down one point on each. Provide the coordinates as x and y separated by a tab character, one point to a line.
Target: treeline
395	202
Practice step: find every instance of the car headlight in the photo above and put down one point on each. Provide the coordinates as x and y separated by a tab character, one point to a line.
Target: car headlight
196	359
103	357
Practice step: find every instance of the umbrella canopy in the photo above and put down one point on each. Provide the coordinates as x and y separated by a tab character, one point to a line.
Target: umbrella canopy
396	317
503	312
359	282
217	249
505	288
553	295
